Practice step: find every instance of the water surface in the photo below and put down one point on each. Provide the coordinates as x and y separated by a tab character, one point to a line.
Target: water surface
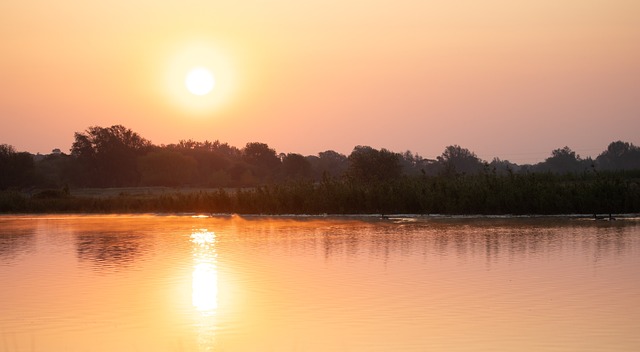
182	283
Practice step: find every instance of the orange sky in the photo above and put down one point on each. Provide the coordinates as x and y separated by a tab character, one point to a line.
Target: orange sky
512	79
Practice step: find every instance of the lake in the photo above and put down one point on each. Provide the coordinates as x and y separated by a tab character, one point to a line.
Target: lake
189	283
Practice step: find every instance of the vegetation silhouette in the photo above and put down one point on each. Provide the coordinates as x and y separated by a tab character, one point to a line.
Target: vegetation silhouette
256	179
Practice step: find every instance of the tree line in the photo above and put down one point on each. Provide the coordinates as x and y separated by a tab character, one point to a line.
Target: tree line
118	157
256	179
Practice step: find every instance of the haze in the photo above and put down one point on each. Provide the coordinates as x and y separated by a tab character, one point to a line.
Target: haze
504	79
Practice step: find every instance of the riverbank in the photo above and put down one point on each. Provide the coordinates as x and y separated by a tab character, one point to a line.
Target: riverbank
535	194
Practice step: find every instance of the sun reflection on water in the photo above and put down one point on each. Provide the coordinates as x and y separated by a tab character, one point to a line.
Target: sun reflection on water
205	272
204	296
205	287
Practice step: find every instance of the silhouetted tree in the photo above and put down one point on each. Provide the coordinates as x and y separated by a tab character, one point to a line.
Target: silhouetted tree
413	164
328	163
16	168
295	166
166	168
264	160
207	146
241	175
619	156
54	170
108	156
562	161
458	160
368	164
213	160
503	166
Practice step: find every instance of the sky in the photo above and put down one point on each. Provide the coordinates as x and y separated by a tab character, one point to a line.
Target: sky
502	78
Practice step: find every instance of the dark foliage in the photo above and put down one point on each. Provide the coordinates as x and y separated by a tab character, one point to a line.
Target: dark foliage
366	181
367	164
16	169
108	157
487	193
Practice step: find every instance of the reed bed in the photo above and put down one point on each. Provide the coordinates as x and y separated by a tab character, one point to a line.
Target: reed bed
616	192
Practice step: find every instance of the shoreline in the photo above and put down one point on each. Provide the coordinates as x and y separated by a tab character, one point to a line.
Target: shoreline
482	195
388	217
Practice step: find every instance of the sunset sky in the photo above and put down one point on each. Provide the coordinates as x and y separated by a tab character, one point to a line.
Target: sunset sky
503	78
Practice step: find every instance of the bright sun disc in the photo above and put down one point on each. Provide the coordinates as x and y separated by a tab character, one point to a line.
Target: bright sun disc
197	77
199	81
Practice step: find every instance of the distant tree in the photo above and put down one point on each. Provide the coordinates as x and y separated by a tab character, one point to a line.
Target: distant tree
410	163
329	163
264	160
503	166
369	165
6	151
16	168
619	156
54	170
242	174
213	160
166	168
562	161
108	156
295	166
260	154
458	160
207	146
227	150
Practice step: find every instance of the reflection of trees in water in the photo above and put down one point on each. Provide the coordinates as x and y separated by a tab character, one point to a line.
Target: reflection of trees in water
511	239
339	240
16	242
610	238
492	239
110	250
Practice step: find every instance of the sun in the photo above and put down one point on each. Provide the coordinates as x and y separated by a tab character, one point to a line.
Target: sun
198	77
199	81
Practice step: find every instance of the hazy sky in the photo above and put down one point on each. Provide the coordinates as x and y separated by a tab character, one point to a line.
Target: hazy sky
505	78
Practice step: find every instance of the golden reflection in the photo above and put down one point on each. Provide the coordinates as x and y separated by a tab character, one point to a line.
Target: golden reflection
199	216
205	287
205	273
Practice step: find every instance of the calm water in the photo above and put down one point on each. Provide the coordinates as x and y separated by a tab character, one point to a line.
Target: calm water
164	283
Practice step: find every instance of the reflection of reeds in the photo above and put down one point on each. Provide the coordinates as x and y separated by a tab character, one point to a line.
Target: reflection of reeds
462	194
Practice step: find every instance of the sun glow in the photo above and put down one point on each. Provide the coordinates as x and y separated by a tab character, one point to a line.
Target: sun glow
199	77
199	81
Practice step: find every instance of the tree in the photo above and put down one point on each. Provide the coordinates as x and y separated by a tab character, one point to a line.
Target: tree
413	164
503	166
329	163
295	166
562	161
370	165
54	170
16	168
108	156
213	160
166	168
264	160
456	159
619	156
207	146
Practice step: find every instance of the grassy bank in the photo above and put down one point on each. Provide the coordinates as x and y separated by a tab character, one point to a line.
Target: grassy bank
459	194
